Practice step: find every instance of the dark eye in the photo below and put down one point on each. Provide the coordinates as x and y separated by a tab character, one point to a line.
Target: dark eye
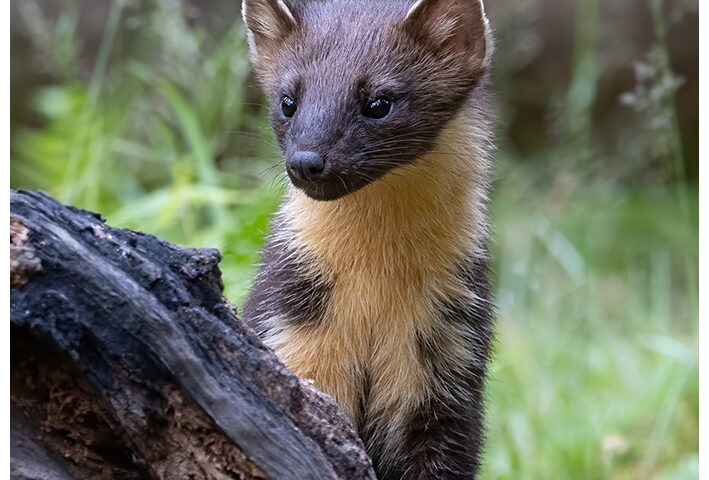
288	106
378	108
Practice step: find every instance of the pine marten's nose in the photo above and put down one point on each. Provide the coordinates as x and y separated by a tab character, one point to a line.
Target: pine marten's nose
305	166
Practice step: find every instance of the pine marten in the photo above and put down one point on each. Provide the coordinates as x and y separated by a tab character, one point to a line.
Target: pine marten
374	275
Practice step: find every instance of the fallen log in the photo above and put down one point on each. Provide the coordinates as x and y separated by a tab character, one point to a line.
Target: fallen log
127	362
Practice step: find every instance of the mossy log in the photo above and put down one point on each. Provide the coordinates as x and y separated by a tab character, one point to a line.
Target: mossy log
127	362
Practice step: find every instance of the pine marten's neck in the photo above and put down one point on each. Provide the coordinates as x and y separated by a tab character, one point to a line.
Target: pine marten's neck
426	213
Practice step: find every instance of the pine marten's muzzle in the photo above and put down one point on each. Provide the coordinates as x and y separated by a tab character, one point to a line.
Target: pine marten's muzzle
305	166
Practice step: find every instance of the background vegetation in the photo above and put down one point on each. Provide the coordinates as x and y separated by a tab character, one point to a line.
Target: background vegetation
146	111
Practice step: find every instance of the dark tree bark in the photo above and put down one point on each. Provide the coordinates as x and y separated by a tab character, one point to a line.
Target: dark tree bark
128	363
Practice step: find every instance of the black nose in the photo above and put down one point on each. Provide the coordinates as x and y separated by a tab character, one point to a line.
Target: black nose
305	166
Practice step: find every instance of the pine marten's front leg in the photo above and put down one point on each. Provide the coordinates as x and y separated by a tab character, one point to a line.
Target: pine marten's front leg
444	437
442	433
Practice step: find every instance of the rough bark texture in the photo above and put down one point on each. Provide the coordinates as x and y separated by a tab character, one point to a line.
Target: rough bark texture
128	363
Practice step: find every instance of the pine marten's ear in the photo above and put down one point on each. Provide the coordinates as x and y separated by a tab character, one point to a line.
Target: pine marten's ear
459	26
269	23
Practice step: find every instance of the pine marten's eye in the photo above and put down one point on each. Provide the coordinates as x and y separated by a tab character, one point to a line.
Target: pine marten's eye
288	106
378	108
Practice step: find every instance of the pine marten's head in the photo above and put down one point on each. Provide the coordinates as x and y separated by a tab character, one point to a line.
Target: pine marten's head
360	87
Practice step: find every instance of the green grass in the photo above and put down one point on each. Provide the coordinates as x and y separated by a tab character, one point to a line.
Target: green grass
595	372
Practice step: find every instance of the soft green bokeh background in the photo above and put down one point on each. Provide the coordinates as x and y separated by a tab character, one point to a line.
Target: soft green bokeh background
146	111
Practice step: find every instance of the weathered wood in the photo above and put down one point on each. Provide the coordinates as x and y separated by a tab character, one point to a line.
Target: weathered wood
127	362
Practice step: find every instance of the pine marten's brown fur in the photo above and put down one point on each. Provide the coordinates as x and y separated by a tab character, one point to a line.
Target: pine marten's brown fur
374	277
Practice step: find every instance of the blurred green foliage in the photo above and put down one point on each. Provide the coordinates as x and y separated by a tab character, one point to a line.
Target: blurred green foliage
162	129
